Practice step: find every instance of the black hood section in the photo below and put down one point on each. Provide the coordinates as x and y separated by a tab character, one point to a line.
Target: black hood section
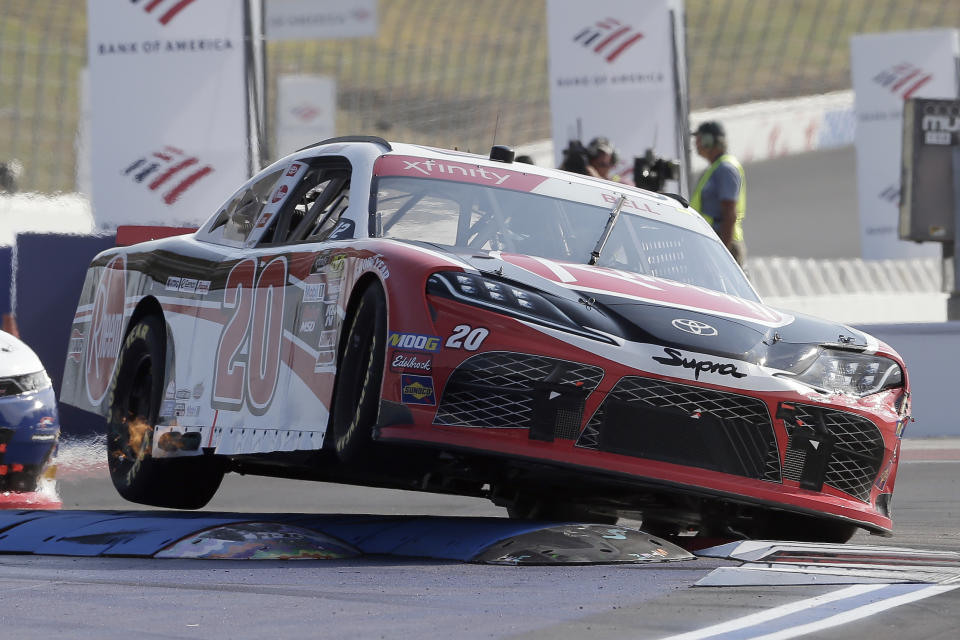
790	348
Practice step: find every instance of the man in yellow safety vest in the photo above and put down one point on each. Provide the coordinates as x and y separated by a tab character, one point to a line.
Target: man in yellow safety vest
721	193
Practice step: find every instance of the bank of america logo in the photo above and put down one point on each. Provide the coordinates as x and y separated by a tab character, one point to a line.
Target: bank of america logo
166	10
891	194
608	38
903	79
169	171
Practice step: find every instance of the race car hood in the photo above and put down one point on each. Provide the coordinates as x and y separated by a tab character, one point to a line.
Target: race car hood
659	311
16	358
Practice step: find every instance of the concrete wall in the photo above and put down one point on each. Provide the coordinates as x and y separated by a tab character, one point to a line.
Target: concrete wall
930	351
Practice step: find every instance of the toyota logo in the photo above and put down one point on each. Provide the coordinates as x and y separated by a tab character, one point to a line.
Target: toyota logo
695	327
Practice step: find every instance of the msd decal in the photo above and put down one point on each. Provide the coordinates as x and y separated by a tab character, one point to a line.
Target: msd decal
106	329
608	38
412	166
169	165
903	79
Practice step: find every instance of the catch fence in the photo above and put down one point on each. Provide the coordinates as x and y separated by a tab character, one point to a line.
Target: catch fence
443	72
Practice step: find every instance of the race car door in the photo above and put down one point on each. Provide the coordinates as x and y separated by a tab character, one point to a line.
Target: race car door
275	362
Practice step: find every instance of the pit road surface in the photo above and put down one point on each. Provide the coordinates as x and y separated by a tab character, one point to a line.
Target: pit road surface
382	597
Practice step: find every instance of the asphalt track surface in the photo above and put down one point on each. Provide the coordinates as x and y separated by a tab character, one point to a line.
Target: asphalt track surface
389	597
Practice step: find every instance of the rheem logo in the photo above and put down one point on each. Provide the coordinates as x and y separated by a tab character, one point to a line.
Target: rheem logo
106	329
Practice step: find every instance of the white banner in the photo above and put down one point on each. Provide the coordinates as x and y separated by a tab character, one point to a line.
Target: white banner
320	19
887	69
306	111
170	125
612	70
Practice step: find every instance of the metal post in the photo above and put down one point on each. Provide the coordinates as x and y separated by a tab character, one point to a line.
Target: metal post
953	302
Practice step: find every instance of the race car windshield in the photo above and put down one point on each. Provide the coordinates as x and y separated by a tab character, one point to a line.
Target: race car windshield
486	218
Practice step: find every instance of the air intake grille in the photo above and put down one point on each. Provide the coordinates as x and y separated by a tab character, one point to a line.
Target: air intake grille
685	424
504	389
856	454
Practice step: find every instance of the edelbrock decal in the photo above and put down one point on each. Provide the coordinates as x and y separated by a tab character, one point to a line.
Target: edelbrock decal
401	361
699	366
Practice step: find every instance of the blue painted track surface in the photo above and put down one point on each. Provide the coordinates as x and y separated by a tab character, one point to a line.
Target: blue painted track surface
145	533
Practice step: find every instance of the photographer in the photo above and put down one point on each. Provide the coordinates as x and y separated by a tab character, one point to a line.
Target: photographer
596	159
721	193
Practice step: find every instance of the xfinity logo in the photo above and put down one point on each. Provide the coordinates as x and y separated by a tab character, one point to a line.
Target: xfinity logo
903	79
695	327
608	38
427	167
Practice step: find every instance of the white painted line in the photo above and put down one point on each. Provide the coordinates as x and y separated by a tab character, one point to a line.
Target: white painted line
777	612
861	601
858	613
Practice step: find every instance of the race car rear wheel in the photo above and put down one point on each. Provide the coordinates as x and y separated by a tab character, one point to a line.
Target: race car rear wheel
356	397
135	397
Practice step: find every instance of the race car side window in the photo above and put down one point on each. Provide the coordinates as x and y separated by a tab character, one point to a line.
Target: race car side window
235	220
314	206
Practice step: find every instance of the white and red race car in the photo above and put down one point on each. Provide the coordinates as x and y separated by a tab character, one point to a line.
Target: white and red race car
401	316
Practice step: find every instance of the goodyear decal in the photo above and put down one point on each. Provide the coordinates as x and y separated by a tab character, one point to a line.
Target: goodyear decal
417	389
414	341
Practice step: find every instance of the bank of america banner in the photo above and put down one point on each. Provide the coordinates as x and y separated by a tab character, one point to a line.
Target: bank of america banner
617	70
889	68
170	126
320	19
306	111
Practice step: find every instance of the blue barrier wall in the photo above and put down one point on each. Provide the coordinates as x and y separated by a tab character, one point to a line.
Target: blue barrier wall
6	255
50	273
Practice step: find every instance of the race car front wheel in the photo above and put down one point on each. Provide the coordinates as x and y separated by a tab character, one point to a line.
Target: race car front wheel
356	397
135	397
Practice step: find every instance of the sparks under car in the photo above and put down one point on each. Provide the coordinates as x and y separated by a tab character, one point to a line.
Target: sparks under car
402	316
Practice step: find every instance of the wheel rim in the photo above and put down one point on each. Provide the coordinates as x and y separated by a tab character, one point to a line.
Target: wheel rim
132	419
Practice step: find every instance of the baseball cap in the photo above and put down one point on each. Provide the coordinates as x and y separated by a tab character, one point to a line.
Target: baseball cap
712	127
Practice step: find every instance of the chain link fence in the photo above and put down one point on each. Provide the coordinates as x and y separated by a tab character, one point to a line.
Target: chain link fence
443	72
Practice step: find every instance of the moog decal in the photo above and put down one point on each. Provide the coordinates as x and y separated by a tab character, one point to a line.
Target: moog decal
699	366
414	341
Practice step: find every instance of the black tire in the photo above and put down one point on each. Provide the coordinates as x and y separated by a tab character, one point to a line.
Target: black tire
136	393
356	396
